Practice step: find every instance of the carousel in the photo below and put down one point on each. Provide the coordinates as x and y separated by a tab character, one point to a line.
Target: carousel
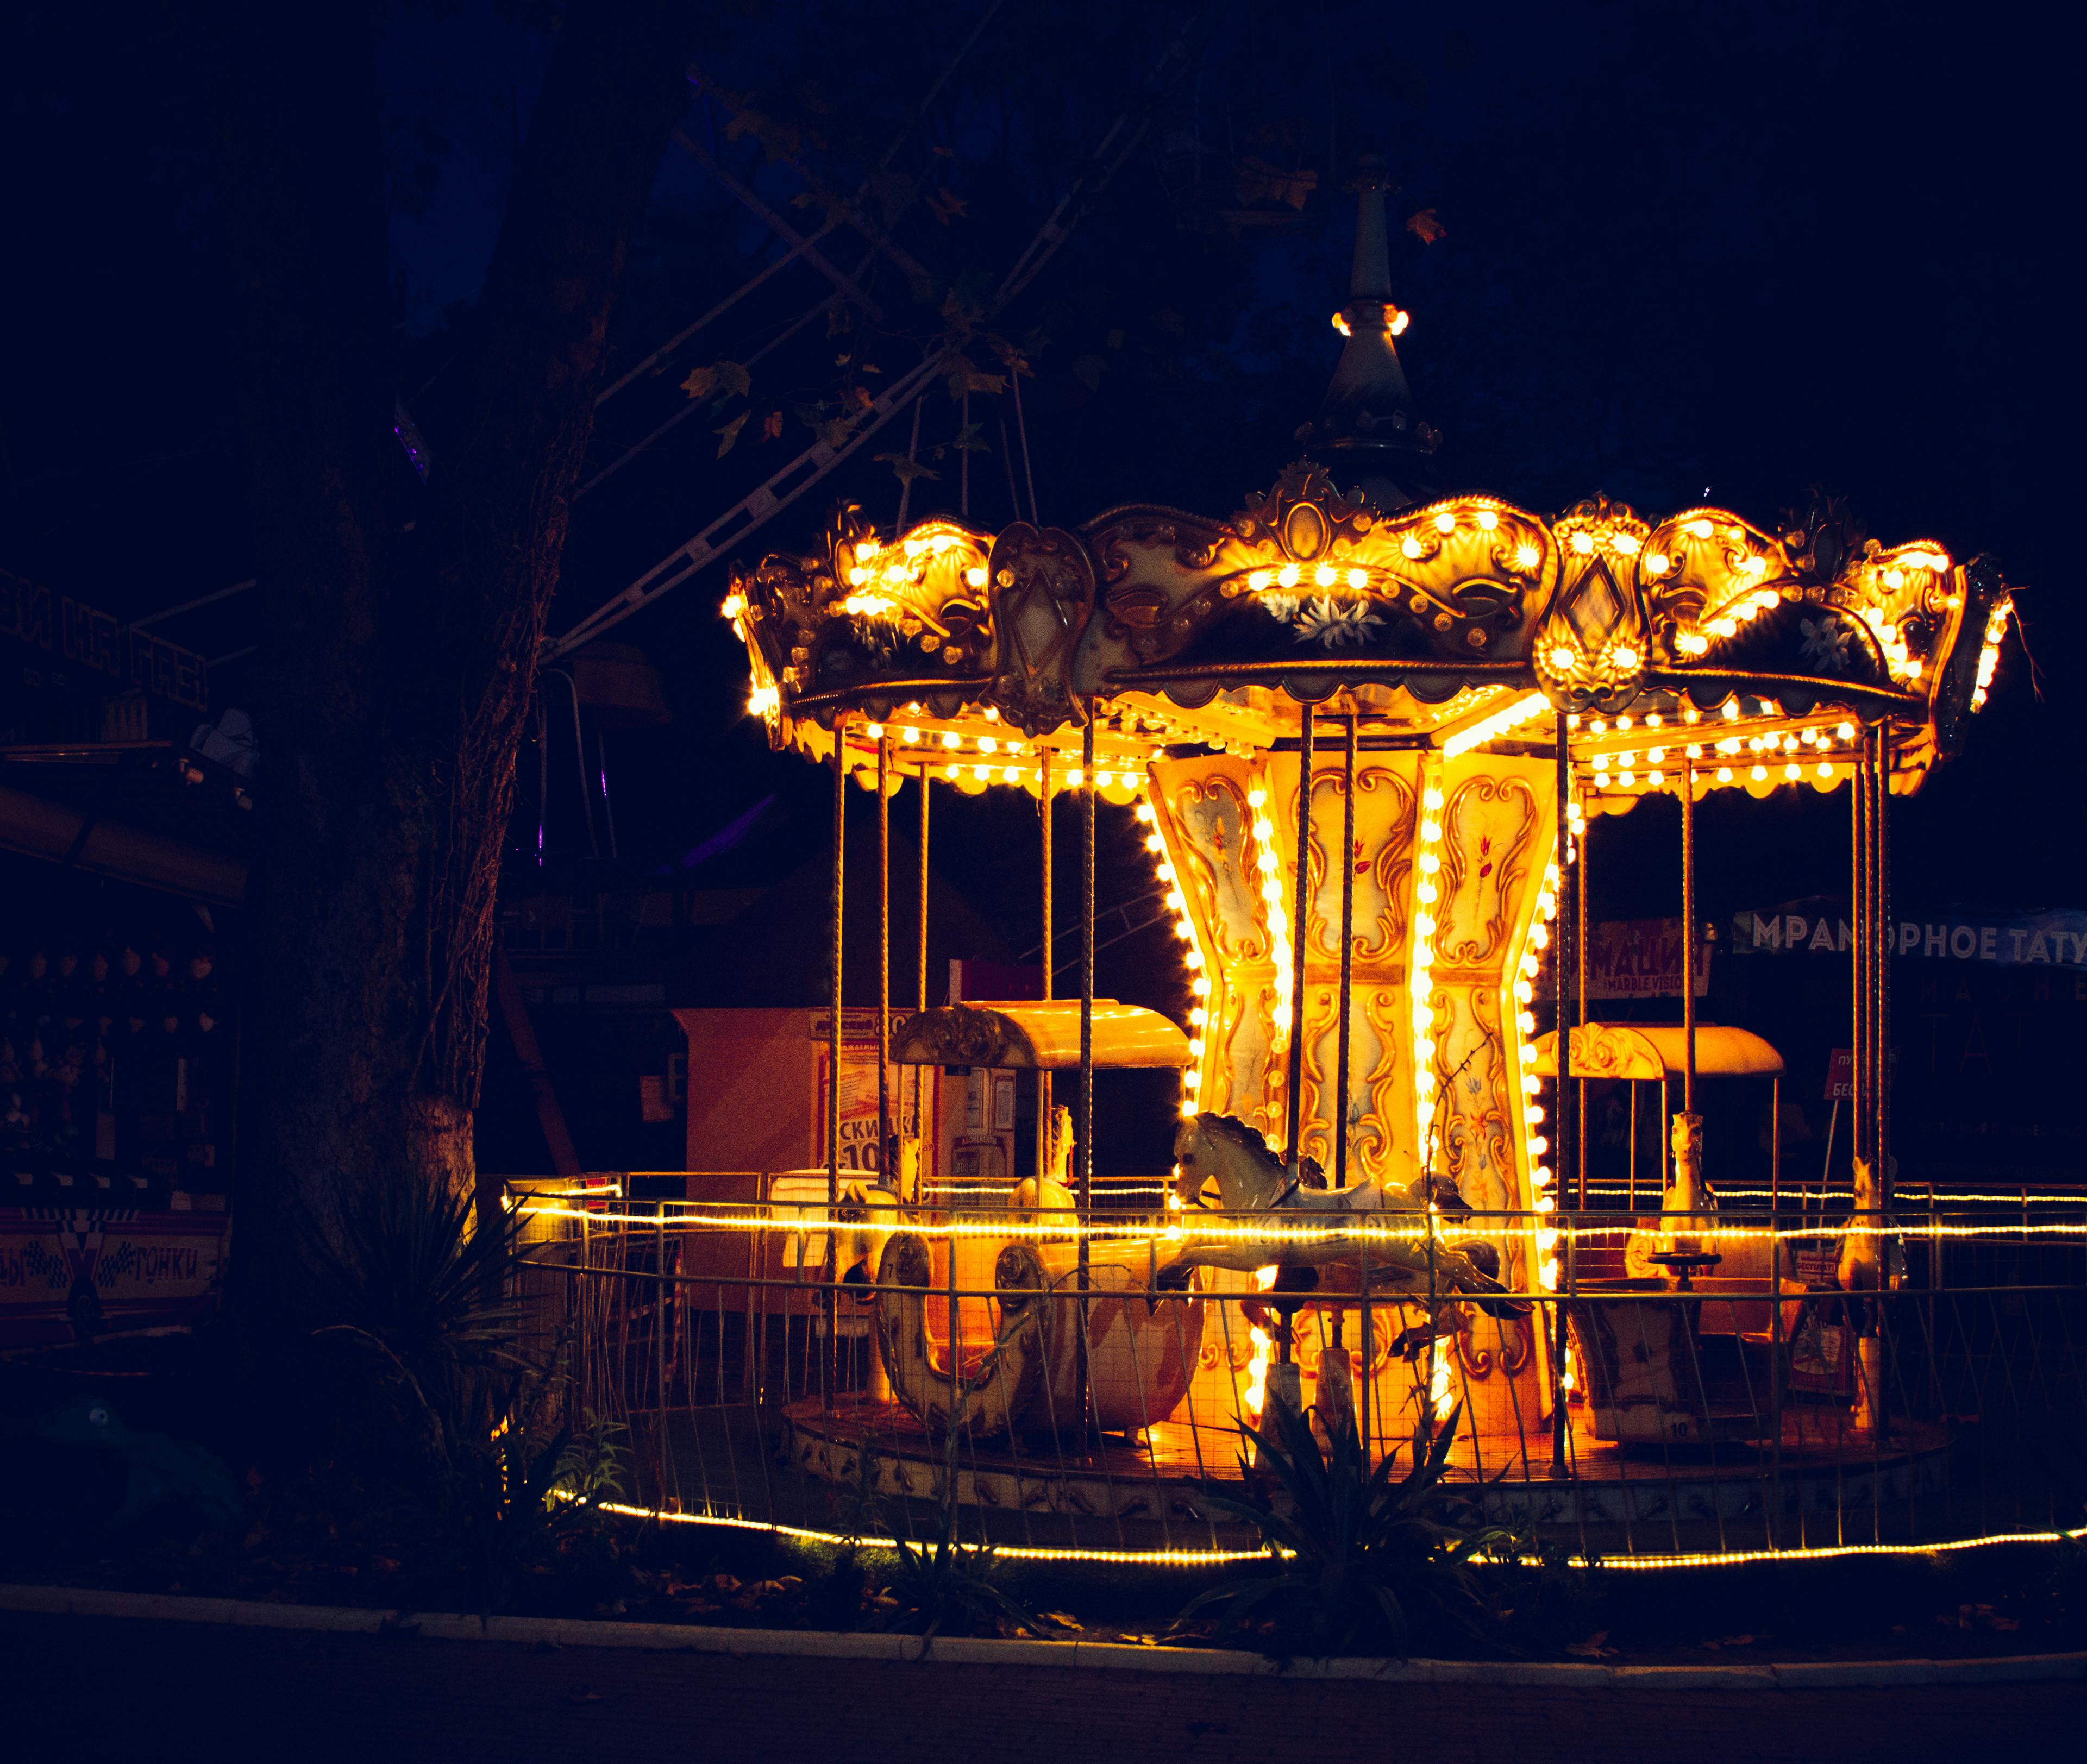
1363	730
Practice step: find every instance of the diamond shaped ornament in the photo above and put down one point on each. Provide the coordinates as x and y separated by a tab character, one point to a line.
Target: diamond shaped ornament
1594	608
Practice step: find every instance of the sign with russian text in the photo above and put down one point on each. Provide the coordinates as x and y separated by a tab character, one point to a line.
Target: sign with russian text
100	644
74	1275
2056	937
1641	958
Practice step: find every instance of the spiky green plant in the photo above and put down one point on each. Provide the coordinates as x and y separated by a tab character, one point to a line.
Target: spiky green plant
408	1282
948	1587
1365	1559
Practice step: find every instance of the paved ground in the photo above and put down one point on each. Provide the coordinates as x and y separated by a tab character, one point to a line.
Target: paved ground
88	1688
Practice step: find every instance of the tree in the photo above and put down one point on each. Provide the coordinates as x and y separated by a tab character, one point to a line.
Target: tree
402	621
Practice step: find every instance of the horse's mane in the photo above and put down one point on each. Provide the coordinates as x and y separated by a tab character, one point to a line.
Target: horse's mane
1251	1140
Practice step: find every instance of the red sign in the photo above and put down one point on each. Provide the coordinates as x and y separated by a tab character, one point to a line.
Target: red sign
1841	1075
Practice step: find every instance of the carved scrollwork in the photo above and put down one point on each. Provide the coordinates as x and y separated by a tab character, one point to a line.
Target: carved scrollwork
1477	1139
1489	822
955	1035
1043	585
1216	825
1517	1344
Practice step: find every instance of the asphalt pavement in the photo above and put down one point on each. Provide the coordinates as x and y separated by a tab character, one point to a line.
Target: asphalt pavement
93	1688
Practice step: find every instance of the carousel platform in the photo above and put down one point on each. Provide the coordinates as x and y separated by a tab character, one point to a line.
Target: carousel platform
1829	1480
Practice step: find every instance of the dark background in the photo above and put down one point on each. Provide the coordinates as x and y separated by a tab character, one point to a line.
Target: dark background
1691	253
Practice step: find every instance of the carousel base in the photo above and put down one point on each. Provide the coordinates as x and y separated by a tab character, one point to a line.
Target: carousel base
1822	1475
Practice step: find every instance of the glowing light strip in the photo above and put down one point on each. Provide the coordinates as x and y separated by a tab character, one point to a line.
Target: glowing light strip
1427	893
1214	1558
1166	1558
1490	727
1351	1228
1801	1195
1275	918
1989	651
1733	1558
1196	958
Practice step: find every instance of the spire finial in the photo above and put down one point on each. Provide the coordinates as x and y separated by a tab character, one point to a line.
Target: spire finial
1367	422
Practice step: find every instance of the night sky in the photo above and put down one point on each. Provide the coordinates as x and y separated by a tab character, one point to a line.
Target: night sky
1689	252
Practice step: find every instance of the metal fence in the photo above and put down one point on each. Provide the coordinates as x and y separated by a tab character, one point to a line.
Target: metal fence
1028	1377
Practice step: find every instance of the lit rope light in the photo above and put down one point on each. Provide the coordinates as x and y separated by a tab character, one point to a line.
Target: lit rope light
1498	723
1194	957
1989	651
1356	1229
1268	862
1420	986
1211	1558
1545	1232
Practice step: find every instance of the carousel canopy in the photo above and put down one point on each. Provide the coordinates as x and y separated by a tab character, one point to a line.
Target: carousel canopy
1656	1050
1694	644
1037	1036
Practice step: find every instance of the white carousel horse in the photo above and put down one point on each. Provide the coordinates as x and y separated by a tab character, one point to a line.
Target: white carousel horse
1049	1202
1872	1260
1253	1183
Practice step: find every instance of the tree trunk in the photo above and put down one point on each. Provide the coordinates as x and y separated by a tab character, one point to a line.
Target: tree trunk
403	623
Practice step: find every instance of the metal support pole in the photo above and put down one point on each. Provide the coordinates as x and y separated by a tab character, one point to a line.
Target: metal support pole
1300	899
1630	1200
1858	887
1580	942
1881	1040
1689	933
920	1072
1335	1343
1774	1141
1886	943
1044	804
831	1303
1567	1140
1086	1189
926	782
1347	949
1301	919
884	1158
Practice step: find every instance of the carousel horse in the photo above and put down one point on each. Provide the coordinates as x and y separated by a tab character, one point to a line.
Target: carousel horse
1050	1201
1253	1182
1871	1261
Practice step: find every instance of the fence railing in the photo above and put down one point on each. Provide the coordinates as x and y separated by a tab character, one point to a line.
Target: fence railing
1796	1380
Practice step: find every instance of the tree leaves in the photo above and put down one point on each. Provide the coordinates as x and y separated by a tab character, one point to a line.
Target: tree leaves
946	206
961	375
719	380
1425	226
730	431
906	470
1262	180
771	426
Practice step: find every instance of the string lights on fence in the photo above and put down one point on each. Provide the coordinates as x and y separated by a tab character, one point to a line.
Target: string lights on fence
1214	1558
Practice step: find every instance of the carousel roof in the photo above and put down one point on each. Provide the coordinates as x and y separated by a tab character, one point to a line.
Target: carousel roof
1655	1050
1033	1035
1448	623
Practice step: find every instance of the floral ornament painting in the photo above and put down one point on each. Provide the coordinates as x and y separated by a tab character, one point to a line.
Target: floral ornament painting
1322	620
1825	642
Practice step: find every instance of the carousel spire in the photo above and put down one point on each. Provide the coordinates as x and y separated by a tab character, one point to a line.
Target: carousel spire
1367	429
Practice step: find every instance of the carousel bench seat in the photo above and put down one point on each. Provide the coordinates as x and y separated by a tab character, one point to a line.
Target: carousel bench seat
1637	1350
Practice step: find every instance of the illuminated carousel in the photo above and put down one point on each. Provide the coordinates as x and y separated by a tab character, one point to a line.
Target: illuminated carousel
1364	731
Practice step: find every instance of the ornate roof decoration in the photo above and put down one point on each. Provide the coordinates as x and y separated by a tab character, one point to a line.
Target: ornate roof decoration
1438	624
1307	592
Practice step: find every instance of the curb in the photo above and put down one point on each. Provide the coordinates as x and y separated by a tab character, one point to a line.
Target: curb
1105	1656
